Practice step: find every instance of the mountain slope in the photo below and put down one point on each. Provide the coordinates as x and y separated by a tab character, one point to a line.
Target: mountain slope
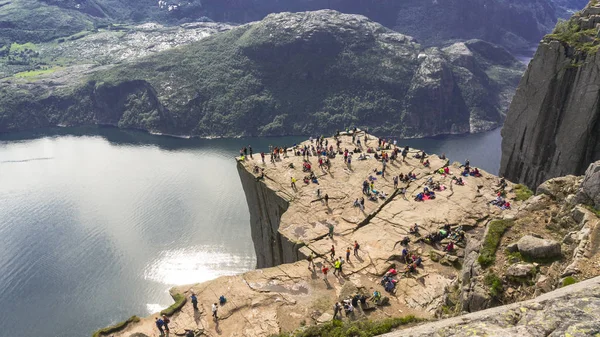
296	73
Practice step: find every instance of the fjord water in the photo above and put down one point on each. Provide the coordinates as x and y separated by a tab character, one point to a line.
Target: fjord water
97	224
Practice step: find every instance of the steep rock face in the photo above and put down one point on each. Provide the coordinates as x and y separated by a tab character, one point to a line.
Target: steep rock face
288	74
266	208
553	126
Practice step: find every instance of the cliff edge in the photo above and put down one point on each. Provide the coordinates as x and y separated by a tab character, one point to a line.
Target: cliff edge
552	127
500	255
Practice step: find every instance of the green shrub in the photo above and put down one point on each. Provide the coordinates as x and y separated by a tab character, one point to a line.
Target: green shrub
523	192
570	33
568	281
496	229
495	284
116	328
362	328
179	302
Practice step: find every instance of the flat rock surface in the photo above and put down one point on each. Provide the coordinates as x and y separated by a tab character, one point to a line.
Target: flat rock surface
281	298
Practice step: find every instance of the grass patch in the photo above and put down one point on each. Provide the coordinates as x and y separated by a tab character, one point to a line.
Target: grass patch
593	210
496	229
36	73
510	256
17	48
523	192
568	281
179	302
116	328
363	328
495	285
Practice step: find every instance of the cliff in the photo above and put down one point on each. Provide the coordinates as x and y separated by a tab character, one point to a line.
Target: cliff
553	123
491	266
291	73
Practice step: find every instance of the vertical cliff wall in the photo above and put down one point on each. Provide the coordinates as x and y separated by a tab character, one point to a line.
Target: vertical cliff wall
266	208
553	127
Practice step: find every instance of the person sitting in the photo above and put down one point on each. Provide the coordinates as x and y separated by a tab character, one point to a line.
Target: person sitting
476	173
389	286
459	181
426	163
506	205
362	157
356	203
446	170
465	172
414	229
376	296
222	300
418	261
419	197
382	195
443	156
411	267
449	247
405	241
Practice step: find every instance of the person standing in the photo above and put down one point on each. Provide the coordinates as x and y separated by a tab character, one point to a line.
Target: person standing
336	309
395	182
348	254
194	301
159	324
356	247
326	199
332	252
262	155
250	148
324	271
330	231
311	261
293	183
166	320
337	266
214	311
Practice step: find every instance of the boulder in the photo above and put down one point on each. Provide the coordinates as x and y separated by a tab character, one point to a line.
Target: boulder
521	270
325	317
589	190
537	248
513	248
558	188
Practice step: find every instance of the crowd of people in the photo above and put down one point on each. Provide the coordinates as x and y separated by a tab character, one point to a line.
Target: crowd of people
384	152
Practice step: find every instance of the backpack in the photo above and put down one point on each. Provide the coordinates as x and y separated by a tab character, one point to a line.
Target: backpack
356	246
167	320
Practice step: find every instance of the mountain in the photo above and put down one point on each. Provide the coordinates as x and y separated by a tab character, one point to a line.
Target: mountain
514	24
290	73
553	124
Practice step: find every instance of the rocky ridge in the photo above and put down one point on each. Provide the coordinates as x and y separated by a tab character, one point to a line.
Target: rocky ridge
292	73
288	224
553	122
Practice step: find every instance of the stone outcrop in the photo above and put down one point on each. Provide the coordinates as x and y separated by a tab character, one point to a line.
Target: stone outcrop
570	311
589	190
537	248
553	123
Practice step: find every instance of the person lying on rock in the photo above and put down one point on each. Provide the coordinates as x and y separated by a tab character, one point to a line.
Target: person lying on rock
449	247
